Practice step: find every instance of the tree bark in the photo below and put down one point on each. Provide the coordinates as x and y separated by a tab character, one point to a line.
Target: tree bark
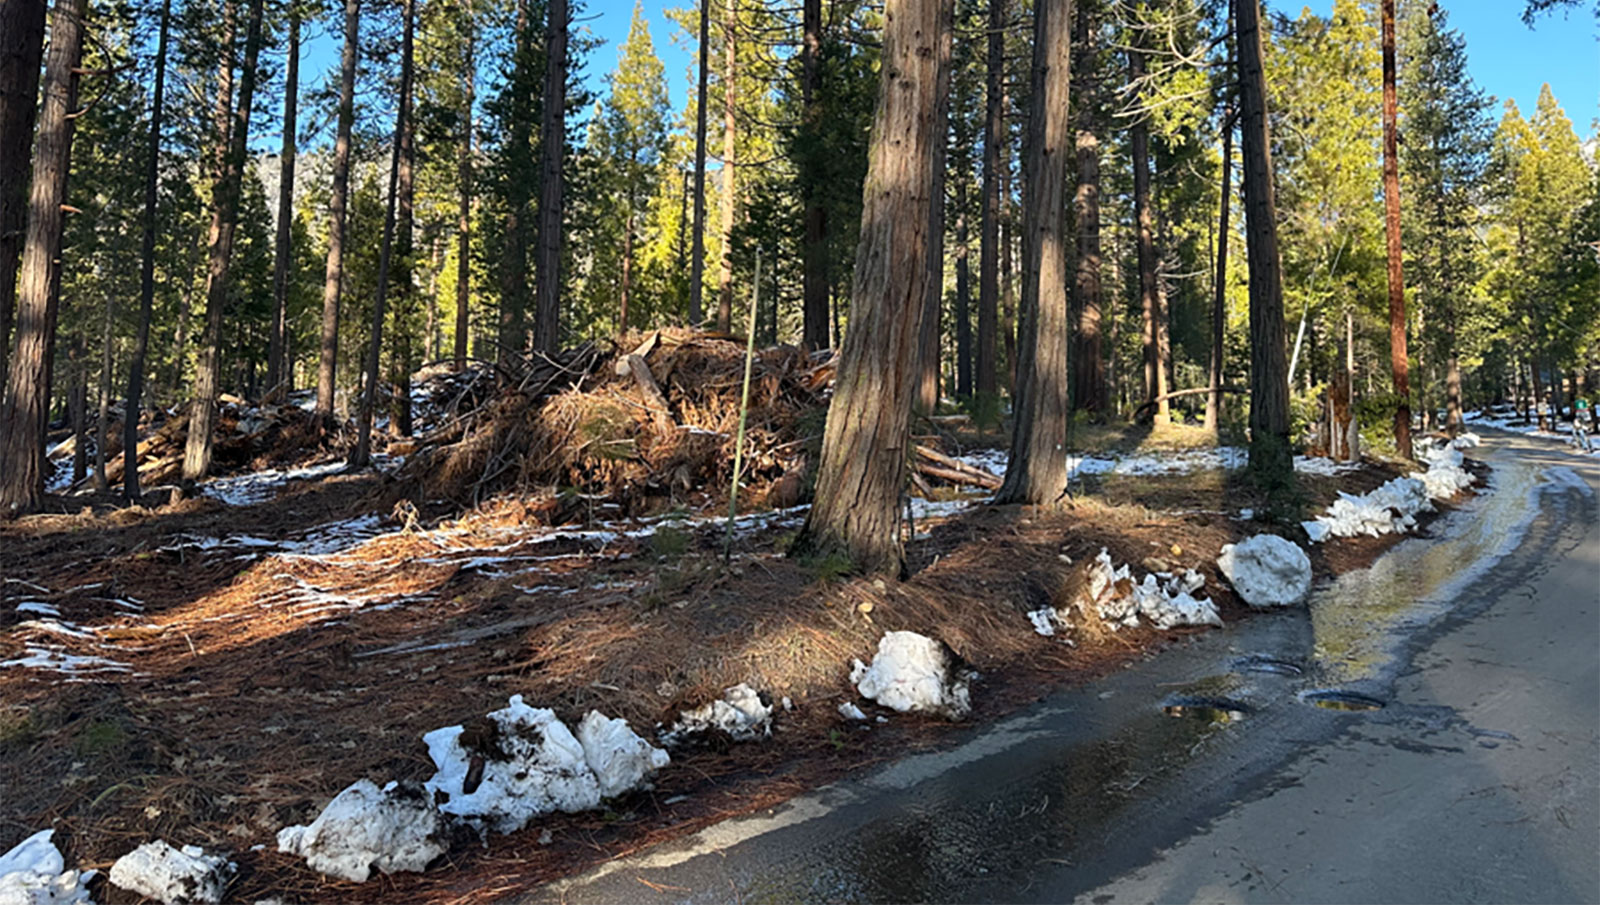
989	227
963	299
932	314
1089	384
697	266
27	393
224	219
77	408
547	276
814	250
102	423
401	363
864	453
1037	471
464	186
147	270
1219	289
21	47
726	201
338	201
278	373
1155	372
1270	458
1398	364
514	334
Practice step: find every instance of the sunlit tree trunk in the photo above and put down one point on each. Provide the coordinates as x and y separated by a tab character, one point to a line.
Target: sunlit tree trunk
1398	363
553	137
1219	289
814	250
963	313
989	228
21	47
728	198
464	188
278	376
932	313
147	270
1151	315
697	263
338	201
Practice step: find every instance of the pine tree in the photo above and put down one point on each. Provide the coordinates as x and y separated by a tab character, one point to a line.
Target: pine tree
632	135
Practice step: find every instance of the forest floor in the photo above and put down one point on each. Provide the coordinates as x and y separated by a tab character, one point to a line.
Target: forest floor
208	673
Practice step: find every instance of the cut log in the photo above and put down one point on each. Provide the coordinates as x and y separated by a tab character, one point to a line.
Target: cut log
652	392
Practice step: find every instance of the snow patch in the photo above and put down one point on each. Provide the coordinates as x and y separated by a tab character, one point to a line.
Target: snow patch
620	759
850	711
34	873
1165	599
1267	570
396	828
156	870
913	672
741	713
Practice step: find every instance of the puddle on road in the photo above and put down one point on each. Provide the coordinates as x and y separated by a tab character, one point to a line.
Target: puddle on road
1261	663
1334	699
1210	710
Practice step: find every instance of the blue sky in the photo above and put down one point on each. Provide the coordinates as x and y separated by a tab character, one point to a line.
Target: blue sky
1507	59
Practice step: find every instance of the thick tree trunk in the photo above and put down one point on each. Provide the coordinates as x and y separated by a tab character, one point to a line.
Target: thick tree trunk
1398	363
697	266
404	228
864	453
224	219
1219	289
1089	383
989	228
814	250
21	47
1037	471
278	373
27	392
1155	372
147	270
728	198
1270	457
369	391
963	301
464	186
338	201
547	276
932	313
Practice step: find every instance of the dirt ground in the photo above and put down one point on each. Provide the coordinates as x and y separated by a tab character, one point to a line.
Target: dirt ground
253	661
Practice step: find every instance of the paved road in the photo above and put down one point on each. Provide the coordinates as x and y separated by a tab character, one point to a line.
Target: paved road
1479	780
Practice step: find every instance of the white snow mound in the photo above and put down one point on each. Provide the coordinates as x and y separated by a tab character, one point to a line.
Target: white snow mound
34	873
186	876
1165	599
395	828
1393	507
913	672
1267	570
740	713
619	758
519	763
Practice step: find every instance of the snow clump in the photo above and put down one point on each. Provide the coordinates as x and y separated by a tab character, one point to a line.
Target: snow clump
740	712
1166	599
1267	570
516	764
913	672
186	876
1389	509
395	828
34	873
619	758
1445	477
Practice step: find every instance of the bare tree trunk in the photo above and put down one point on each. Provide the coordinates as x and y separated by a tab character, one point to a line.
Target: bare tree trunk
989	228
27	393
369	391
1270	457
224	219
1037	471
727	200
77	408
1089	385
814	250
464	214
1155	372
863	467
547	277
1219	291
697	266
932	314
405	214
963	299
1391	217
514	249
338	202
278	376
147	271
102	424
21	47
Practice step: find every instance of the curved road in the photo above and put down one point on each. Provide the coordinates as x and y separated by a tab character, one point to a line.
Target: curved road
1477	780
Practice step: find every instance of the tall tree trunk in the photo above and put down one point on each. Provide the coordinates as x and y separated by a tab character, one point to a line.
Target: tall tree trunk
369	391
21	47
814	250
963	299
404	240
1454	422
77	408
102	423
514	249
338	202
697	266
989	228
224	219
1219	289
464	186
1270	458
147	270
1037	471
727	200
27	392
1089	385
933	310
863	467
547	278
1155	372
1398	364
278	376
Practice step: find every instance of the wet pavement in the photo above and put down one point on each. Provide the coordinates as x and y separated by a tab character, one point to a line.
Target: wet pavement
1425	730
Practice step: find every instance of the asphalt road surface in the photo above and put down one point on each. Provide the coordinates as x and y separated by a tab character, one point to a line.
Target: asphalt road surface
1477	780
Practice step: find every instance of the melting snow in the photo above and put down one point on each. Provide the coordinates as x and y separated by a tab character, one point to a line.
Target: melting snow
34	873
619	758
913	672
396	828
1267	570
740	712
261	486
1166	599
156	870
1393	507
